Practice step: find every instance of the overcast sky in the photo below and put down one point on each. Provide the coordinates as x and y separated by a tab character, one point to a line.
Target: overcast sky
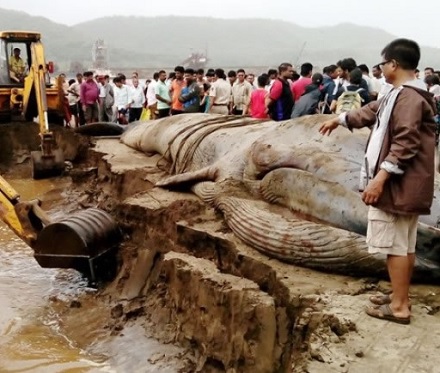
417	20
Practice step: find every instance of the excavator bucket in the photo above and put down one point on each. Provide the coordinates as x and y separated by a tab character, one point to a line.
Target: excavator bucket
86	241
47	166
49	161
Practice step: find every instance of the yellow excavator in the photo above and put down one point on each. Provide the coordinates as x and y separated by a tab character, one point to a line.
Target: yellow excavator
85	241
27	93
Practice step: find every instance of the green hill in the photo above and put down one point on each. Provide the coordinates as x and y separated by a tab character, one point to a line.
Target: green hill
142	42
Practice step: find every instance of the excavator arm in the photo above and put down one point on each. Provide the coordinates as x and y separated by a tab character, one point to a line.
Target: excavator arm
35	85
49	161
25	219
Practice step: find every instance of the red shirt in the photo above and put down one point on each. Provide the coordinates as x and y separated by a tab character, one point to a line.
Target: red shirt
258	104
299	87
277	89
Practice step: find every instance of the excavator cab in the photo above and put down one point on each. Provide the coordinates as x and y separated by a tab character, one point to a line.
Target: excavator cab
17	62
17	101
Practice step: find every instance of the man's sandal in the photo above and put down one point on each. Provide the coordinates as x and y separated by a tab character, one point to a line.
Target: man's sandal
384	312
380	300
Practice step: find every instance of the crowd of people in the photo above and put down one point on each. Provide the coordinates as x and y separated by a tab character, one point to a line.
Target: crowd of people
397	172
279	94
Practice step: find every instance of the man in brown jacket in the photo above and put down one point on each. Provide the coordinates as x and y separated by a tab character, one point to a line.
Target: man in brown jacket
397	177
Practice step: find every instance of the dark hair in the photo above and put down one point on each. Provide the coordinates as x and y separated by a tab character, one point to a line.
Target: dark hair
263	80
356	76
156	75
179	69
171	75
404	51
162	72
210	73
329	69
271	72
201	72
347	64
317	78
232	74
106	76
206	86
220	73
429	68
306	69
377	67
88	73
71	81
122	76
364	68
417	70
189	71
241	71
432	80
295	76
284	66
117	79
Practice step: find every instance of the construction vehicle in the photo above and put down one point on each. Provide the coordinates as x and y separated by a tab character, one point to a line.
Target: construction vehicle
84	241
28	94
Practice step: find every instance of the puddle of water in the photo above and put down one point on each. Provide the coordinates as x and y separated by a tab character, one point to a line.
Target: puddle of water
38	330
29	337
30	340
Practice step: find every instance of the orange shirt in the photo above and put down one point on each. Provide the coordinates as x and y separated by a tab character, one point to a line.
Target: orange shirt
176	89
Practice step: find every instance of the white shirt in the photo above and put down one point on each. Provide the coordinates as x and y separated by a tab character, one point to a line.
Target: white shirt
369	83
220	92
435	90
151	93
377	83
74	98
137	96
101	90
122	97
384	89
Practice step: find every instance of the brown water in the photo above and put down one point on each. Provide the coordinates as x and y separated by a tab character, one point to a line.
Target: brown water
39	332
30	335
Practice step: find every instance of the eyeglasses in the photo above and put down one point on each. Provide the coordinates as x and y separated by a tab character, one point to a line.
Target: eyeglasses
384	63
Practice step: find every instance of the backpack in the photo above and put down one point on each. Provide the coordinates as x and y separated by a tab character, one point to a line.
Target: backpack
349	100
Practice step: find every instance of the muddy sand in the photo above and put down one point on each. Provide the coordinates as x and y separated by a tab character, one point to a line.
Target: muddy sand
186	281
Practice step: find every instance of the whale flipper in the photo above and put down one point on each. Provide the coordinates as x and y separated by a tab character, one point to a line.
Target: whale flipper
204	174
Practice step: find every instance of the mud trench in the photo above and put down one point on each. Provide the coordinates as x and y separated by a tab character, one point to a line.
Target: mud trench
190	297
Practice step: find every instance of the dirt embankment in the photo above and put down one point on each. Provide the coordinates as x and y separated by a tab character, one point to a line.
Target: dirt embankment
188	280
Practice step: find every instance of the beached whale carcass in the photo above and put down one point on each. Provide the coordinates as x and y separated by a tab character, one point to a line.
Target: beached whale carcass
287	163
